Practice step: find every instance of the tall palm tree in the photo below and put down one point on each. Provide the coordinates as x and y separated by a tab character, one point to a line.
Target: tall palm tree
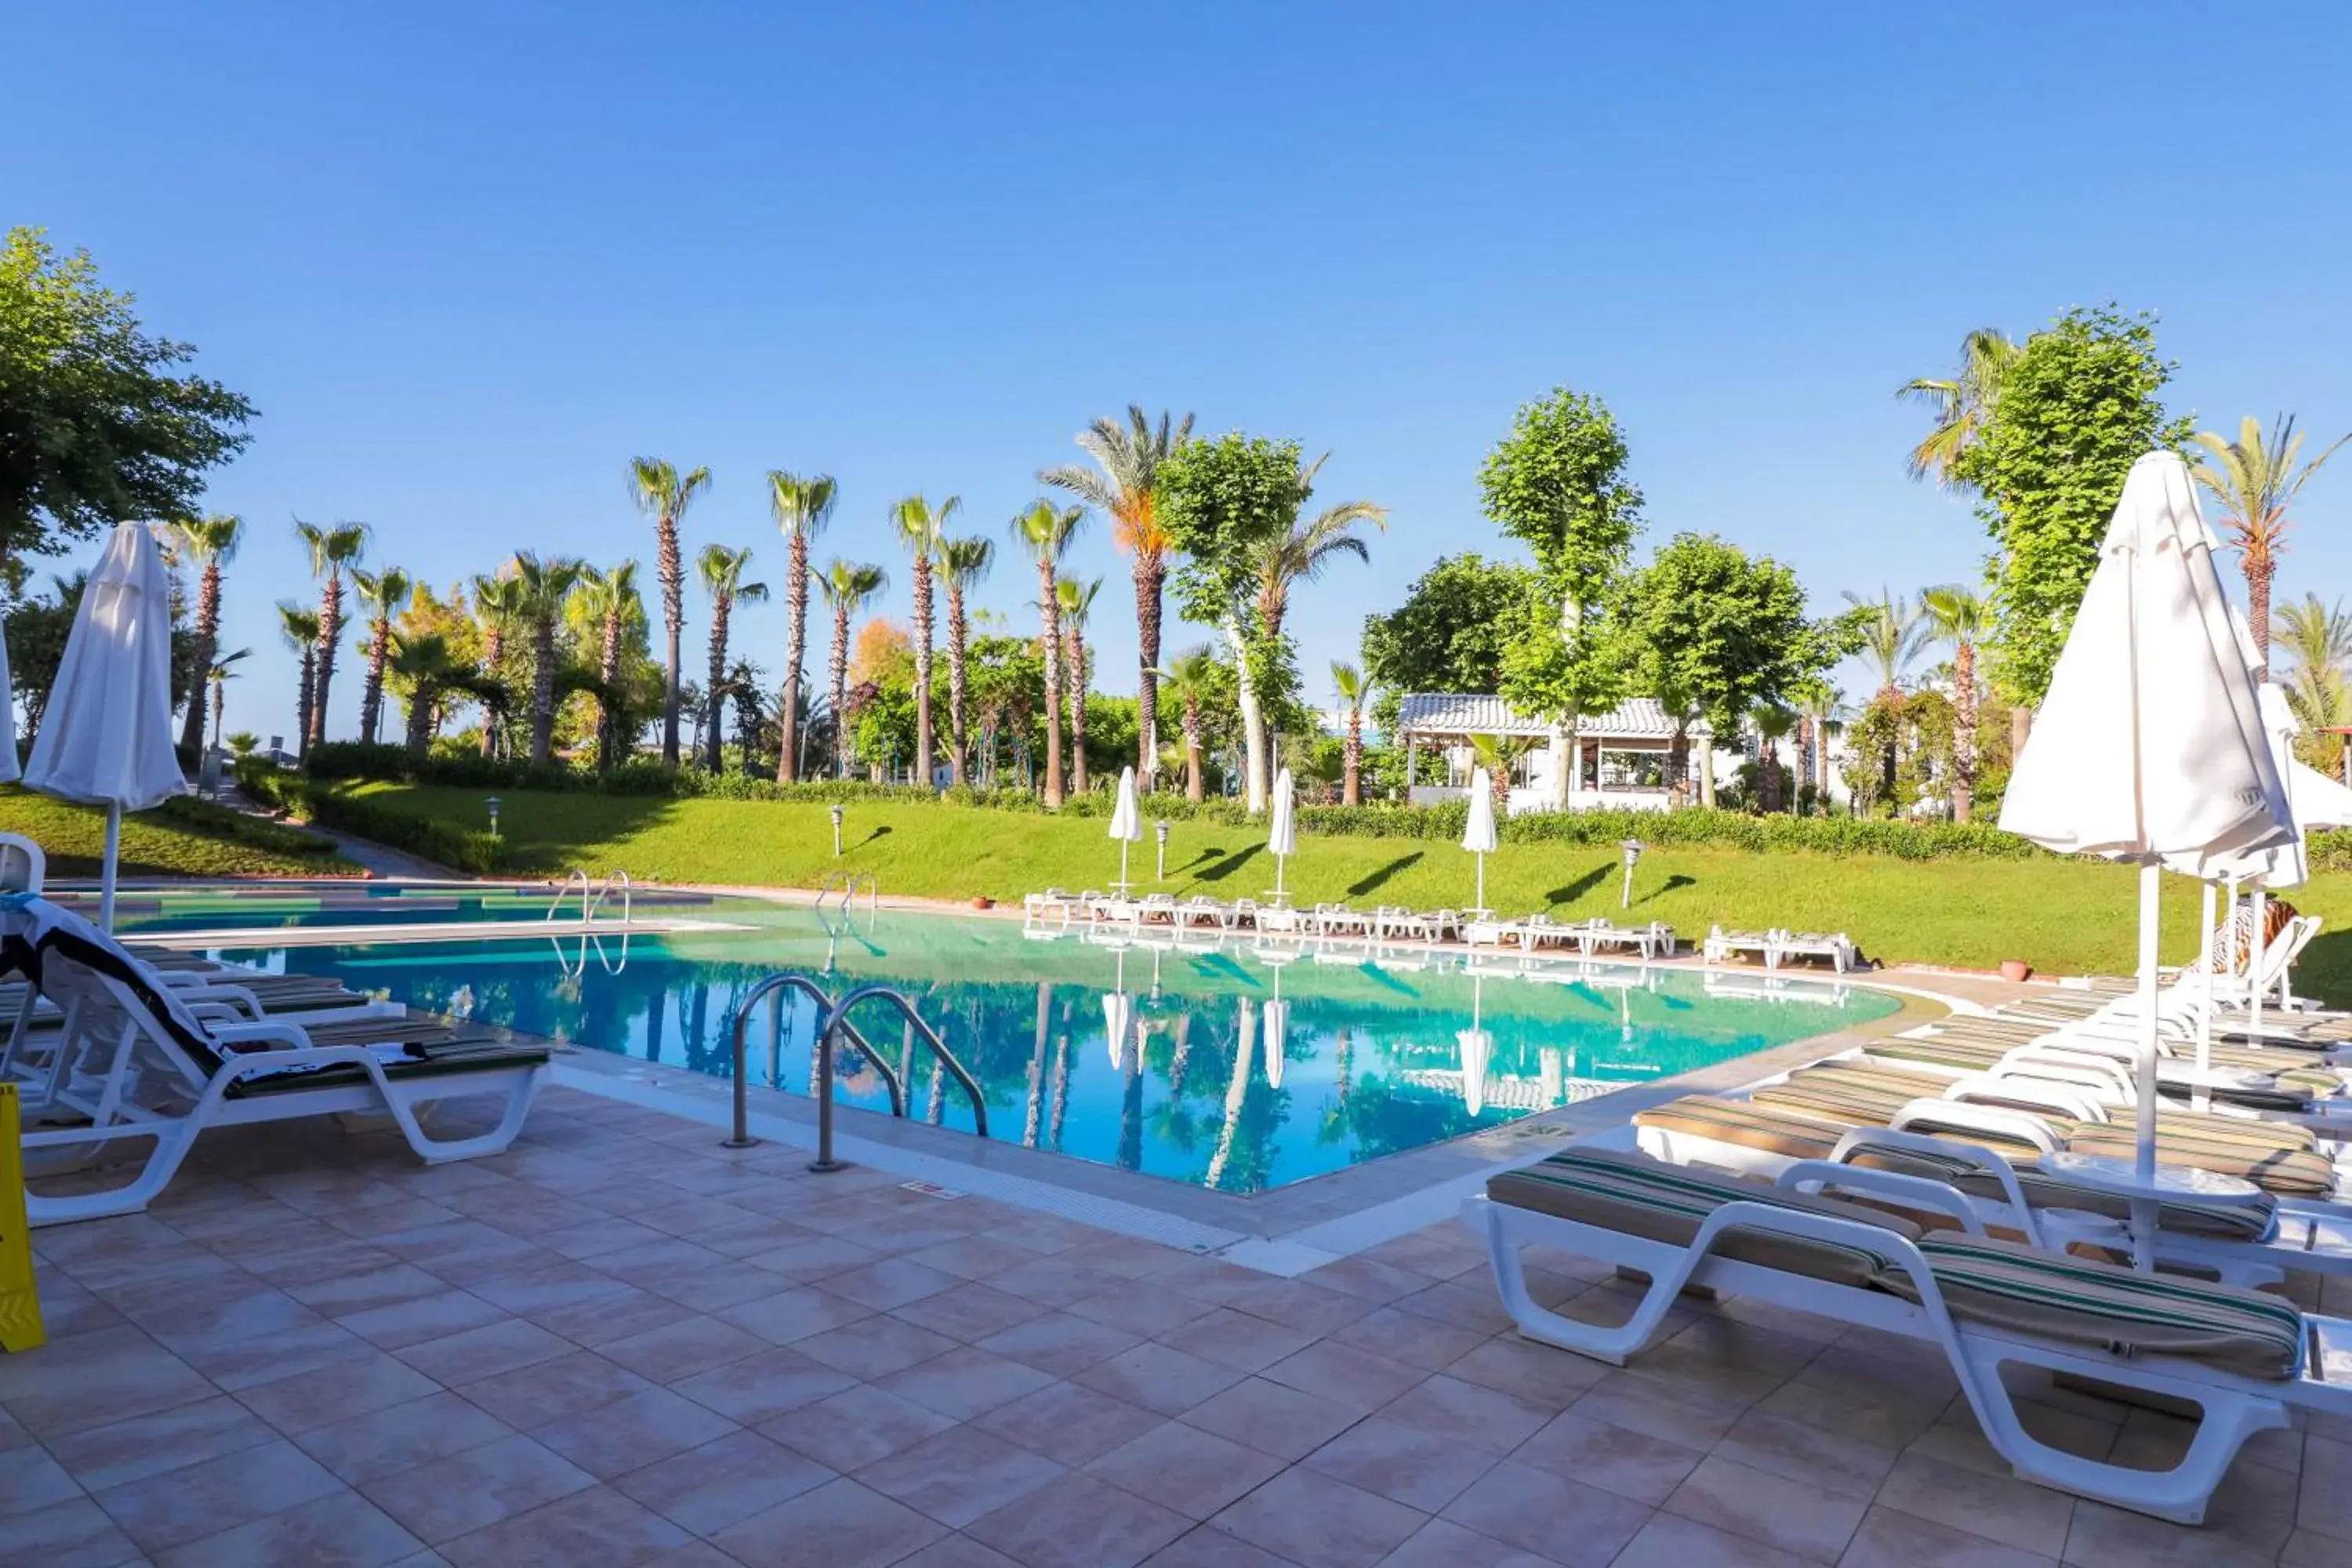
721	570
922	528
1821	703
1892	635
210	544
1496	753
1046	531
2316	636
962	564
1300	553
299	625
544	585
218	675
1130	455
383	592
663	494
1773	723
803	506
1075	603
1963	403
1956	616
1188	680
847	586
606	593
333	550
425	662
2255	480
1353	690
499	606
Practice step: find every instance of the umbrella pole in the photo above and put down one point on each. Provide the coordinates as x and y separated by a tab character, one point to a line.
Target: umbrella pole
1278	862
2255	948
2203	1098
1482	882
1122	865
113	858
2144	1213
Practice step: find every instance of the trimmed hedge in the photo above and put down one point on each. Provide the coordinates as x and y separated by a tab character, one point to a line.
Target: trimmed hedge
459	848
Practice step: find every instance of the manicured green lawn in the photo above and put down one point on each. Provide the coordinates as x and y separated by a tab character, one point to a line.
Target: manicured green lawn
2064	917
184	838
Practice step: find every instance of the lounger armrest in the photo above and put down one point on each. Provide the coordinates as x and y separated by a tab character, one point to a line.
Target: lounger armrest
238	996
1862	1139
1912	1192
2042	1094
264	1033
1999	1119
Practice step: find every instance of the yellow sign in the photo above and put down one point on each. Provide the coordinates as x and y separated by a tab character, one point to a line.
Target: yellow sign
20	1299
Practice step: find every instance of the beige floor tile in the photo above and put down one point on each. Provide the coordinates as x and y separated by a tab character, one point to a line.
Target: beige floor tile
874	1347
384	1442
1078	1522
781	1316
1068	1423
216	1494
1344	1376
1442	1543
2103	1536
95	1380
813	1259
1273	1419
31	1480
472	1354
464	1492
1181	1468
1551	1515
633	1431
1056	1342
336	1392
763	1386
443	1313
1468	1413
604	1318
343	1529
723	1483
888	1282
1404	1463
390	1283
549	1390
1158	1378
969	1311
1417	1342
76	1534
1630	1464
964	1381
1669	1540
109	1456
855	1428
958	1551
2309	1549
681	1348
960	1475
598	1527
1625	1399
1891	1539
1235	1339
1831	1460
839	1525
1549	1376
1296	1304
1780	1514
1998	1508
1140	1307
1319	1522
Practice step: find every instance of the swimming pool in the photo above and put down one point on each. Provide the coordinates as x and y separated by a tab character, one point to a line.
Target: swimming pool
1232	1066
147	912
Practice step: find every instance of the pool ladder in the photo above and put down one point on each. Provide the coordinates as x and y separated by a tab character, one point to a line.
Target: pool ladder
846	884
593	895
833	1023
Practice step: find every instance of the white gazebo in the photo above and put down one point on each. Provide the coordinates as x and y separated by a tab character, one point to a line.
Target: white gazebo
1622	755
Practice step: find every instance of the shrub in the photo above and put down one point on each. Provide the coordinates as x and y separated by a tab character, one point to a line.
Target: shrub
459	848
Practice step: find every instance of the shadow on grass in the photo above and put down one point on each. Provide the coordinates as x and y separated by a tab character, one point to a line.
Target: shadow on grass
1379	878
1204	858
2325	970
877	833
1675	883
1570	892
1217	871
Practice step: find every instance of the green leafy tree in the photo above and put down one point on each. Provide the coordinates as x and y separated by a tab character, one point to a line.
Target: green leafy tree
922	528
37	631
964	564
1955	614
209	545
663	494
96	425
721	570
1046	531
1007	676
383	592
803	505
2077	406
1131	457
1449	635
1963	403
847	587
1725	631
1224	503
333	550
1557	484
2256	480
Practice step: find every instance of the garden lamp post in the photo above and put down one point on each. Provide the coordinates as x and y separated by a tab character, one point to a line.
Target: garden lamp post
493	803
1159	831
837	832
1633	849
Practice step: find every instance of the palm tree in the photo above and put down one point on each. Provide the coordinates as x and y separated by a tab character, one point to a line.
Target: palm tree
1046	531
847	586
722	578
333	550
1821	703
803	506
606	593
1496	753
1074	601
2315	635
1963	403
423	661
1131	456
1353	691
1893	636
1773	723
383	592
498	604
922	528
218	674
2256	480
300	626
1301	552
962	564
211	544
663	494
1189	681
1956	616
544	585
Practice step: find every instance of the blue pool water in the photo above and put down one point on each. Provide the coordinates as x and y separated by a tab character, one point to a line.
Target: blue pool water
352	901
1231	1065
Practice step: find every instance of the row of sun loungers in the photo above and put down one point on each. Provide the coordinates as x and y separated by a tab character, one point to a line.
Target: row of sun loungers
1778	945
1055	910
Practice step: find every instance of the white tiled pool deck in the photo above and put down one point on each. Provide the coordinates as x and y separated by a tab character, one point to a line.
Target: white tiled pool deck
620	1344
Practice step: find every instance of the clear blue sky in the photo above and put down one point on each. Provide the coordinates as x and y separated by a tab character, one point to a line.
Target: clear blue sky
469	259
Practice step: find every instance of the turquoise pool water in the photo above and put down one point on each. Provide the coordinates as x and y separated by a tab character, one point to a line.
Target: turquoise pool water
1232	1066
148	910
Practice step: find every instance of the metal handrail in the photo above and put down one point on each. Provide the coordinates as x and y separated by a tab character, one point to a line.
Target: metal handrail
845	883
923	1032
777	985
564	892
604	890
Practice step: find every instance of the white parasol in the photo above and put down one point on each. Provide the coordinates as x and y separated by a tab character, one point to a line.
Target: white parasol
1126	822
106	732
1478	836
1478	1048
1282	833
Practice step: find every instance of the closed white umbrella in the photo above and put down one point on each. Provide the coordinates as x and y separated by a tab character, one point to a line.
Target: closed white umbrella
1126	821
106	732
2150	747
1478	836
1478	1048
1282	835
1118	1026
2318	800
1276	1024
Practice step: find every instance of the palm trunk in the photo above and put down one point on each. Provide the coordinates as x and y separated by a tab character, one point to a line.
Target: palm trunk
1767	776
1351	787
715	707
191	730
1049	615
1151	572
330	632
840	691
2260	570
608	676
220	705
372	695
304	699
494	650
1078	712
1964	745
542	690
788	707
673	587
1195	785
1255	782
420	722
959	637
923	669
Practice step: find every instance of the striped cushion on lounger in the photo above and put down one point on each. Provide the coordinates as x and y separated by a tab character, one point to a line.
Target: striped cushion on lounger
2232	1222
1746	1123
1636	1195
2110	1307
2290	1172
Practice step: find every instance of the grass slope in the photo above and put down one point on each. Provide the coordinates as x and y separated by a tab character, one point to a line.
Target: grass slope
184	838
2065	917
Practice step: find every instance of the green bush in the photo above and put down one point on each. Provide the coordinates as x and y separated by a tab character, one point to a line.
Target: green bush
459	848
350	761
